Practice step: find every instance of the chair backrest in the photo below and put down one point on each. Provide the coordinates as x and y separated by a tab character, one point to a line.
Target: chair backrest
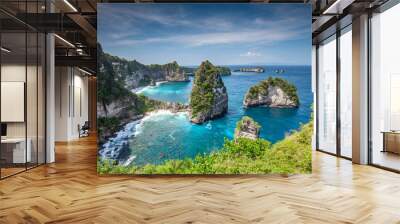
86	125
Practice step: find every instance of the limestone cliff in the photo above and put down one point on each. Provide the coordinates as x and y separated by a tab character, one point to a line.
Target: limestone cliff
135	74
247	128
273	92
116	104
209	98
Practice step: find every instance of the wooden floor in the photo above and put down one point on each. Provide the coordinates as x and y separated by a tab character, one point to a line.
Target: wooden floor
70	191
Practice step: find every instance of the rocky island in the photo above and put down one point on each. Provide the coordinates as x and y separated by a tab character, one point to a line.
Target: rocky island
223	71
273	92
209	98
247	128
256	69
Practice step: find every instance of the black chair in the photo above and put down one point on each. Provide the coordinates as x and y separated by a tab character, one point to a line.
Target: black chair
84	130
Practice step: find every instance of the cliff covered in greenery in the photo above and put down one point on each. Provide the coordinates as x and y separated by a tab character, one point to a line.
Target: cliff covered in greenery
223	71
135	74
116	103
273	92
208	98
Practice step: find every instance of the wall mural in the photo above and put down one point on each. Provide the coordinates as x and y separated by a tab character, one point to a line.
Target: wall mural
204	88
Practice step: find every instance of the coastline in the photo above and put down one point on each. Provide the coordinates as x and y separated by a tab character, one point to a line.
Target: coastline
166	107
118	144
142	88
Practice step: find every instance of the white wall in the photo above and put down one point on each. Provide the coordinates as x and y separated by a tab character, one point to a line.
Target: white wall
71	94
385	74
33	126
12	73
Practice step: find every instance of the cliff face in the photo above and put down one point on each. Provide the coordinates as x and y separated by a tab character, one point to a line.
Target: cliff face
209	98
136	74
247	128
273	92
116	104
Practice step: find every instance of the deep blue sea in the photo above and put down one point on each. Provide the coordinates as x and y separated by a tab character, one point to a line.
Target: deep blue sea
164	135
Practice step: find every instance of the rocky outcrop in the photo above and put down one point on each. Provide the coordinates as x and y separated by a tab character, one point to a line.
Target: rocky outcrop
255	69
247	128
113	116
135	74
209	98
273	92
173	107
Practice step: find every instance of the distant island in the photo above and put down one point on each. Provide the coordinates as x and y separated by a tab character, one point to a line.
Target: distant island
279	71
223	71
255	69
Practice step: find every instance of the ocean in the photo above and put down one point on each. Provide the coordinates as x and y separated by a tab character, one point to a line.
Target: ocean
163	135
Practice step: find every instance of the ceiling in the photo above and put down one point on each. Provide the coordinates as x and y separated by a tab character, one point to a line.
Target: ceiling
75	21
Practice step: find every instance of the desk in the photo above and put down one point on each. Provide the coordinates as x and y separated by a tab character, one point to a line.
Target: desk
391	141
13	150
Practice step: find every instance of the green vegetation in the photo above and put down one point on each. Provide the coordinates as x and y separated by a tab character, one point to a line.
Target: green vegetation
262	88
206	79
243	156
108	124
109	86
224	71
169	67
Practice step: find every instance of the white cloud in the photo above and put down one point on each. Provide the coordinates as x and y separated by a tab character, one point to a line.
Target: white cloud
237	37
251	54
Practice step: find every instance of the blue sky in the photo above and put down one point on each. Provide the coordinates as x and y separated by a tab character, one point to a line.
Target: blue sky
225	34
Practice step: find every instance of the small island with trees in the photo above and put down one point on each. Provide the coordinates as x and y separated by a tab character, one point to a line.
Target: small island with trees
273	92
255	69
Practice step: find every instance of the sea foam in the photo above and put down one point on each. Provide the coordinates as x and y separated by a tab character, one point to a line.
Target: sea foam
115	145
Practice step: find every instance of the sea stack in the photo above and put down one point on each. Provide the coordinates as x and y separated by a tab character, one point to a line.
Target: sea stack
209	98
247	128
175	74
273	92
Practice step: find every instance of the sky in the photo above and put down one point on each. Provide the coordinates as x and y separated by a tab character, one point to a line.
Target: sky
225	34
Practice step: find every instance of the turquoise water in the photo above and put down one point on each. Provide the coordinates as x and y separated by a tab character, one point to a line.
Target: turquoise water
165	135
